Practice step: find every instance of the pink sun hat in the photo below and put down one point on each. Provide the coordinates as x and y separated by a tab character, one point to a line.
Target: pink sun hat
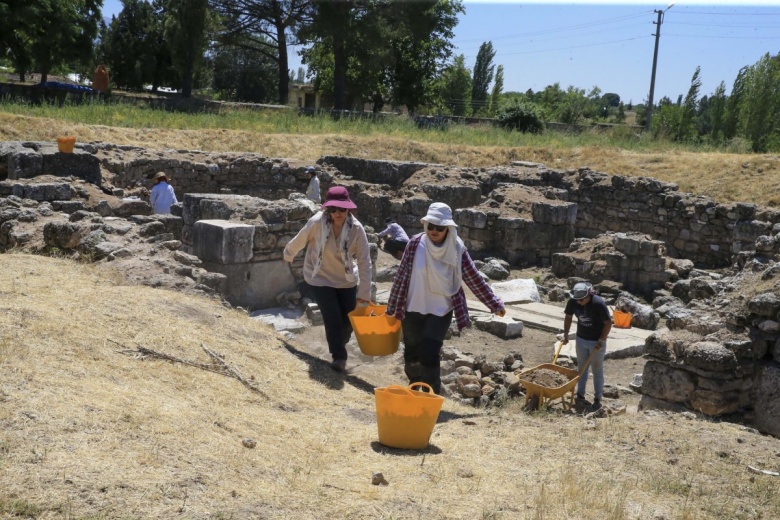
338	197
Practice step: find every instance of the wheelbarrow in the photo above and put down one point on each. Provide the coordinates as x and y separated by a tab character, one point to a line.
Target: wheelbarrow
542	396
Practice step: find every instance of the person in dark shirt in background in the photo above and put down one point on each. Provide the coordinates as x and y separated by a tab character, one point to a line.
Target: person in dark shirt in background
593	325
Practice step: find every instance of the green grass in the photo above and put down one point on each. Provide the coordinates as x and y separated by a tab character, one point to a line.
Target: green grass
119	114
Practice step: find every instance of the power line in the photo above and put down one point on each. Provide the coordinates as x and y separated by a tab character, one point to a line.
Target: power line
570	48
558	38
725	14
731	25
558	29
724	37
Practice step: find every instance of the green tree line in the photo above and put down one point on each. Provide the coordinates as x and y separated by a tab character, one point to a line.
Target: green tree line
379	50
751	112
382	51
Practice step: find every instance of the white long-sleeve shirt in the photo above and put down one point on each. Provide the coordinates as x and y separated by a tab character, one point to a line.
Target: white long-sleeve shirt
395	232
331	272
162	197
313	190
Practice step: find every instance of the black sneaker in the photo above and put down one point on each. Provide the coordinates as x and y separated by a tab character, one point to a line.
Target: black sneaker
339	365
597	403
579	397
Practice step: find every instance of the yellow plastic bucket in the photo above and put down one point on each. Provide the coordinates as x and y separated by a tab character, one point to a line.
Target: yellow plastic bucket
622	320
377	333
66	144
404	417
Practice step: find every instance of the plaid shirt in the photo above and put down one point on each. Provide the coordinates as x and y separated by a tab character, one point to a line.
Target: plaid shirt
396	303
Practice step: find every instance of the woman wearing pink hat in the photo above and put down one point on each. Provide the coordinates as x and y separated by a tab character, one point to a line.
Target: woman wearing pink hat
335	240
427	291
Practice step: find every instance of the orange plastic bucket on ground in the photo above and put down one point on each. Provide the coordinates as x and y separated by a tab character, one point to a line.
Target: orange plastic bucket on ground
404	417
377	333
66	144
622	320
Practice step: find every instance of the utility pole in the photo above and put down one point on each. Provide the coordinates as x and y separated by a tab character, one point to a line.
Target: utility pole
655	62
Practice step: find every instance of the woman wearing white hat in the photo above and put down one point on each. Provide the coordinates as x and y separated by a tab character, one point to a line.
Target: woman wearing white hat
427	291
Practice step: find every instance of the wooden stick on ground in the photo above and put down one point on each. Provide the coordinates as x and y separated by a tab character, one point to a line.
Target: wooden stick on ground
231	371
221	366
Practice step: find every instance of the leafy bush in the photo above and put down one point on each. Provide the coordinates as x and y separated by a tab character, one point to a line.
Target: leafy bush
521	116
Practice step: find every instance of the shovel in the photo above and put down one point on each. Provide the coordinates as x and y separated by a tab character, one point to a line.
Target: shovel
558	347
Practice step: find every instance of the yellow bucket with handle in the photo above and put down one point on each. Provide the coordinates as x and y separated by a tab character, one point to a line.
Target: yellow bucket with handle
377	333
405	417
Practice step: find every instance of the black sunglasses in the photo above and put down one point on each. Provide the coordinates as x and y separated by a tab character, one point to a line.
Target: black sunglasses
334	210
432	227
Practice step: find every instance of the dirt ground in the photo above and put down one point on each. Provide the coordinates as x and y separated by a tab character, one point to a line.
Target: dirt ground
536	347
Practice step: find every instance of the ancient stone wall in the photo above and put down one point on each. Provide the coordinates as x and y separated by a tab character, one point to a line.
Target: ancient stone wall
202	172
632	259
25	160
691	226
579	203
243	238
719	366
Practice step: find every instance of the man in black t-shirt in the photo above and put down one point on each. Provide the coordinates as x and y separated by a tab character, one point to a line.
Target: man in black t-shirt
593	325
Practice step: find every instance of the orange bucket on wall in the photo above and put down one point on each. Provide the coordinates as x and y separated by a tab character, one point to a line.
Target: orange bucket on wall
66	144
622	320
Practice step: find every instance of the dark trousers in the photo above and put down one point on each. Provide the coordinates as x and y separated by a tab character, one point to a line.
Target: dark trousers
423	338
334	305
395	247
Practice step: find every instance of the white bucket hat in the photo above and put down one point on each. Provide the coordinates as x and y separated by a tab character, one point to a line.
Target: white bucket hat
439	214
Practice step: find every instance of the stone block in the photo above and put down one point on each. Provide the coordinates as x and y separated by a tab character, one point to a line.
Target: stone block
715	403
24	163
667	383
555	214
314	314
63	235
505	328
627	245
393	173
766	391
80	163
749	231
43	191
710	355
563	265
517	291
254	285
129	207
223	242
471	218
460	196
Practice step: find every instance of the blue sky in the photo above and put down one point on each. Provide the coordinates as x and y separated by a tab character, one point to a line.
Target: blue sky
609	44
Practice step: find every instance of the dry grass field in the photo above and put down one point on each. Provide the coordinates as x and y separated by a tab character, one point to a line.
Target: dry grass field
92	429
89	428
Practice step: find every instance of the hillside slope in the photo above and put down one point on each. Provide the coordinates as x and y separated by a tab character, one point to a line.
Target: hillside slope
89	428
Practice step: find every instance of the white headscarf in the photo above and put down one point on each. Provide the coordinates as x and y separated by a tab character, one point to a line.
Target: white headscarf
443	263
